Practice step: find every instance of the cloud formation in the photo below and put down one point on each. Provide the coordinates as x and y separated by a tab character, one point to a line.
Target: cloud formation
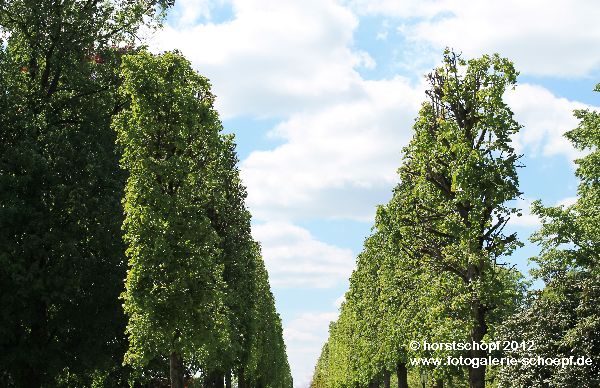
545	118
305	336
336	162
273	57
294	258
559	38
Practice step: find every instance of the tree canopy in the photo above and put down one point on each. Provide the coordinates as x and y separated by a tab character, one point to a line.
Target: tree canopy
71	73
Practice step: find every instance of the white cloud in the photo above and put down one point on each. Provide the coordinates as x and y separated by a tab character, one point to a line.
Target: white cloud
530	220
336	162
545	118
566	202
526	219
189	11
340	161
294	258
552	38
273	57
305	336
400	9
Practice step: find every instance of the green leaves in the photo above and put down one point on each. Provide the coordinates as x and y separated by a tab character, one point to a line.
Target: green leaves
197	285
175	288
563	318
193	279
430	269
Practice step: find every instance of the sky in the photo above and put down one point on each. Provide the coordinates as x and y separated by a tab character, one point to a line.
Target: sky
322	94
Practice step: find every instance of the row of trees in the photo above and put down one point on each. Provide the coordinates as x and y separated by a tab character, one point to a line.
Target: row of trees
77	98
433	269
197	291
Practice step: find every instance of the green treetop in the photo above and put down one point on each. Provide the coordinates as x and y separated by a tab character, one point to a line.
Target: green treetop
174	290
562	320
457	179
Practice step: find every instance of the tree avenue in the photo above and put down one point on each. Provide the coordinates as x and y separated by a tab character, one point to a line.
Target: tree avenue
195	294
458	175
432	270
198	299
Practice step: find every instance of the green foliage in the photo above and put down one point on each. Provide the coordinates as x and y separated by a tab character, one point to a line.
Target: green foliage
458	175
197	285
231	221
563	318
174	288
61	256
320	376
266	364
562	321
429	272
195	268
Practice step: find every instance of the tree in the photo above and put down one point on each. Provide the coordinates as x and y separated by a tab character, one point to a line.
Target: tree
457	178
174	289
231	220
320	375
61	259
562	320
266	365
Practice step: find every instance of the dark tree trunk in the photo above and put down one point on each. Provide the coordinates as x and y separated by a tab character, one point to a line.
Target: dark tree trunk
214	379
439	383
477	375
402	375
386	379
219	380
228	379
241	379
374	383
176	370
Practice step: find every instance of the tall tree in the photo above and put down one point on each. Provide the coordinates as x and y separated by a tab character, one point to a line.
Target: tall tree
562	320
231	221
457	180
174	290
61	267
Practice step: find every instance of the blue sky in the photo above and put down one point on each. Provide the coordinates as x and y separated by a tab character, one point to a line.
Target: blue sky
321	95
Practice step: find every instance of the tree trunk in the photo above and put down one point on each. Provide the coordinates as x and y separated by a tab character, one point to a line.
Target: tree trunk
214	379
176	370
241	379
228	379
477	375
439	383
219	380
386	379
402	375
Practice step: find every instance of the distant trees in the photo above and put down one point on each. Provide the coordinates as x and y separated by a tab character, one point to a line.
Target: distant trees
431	268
